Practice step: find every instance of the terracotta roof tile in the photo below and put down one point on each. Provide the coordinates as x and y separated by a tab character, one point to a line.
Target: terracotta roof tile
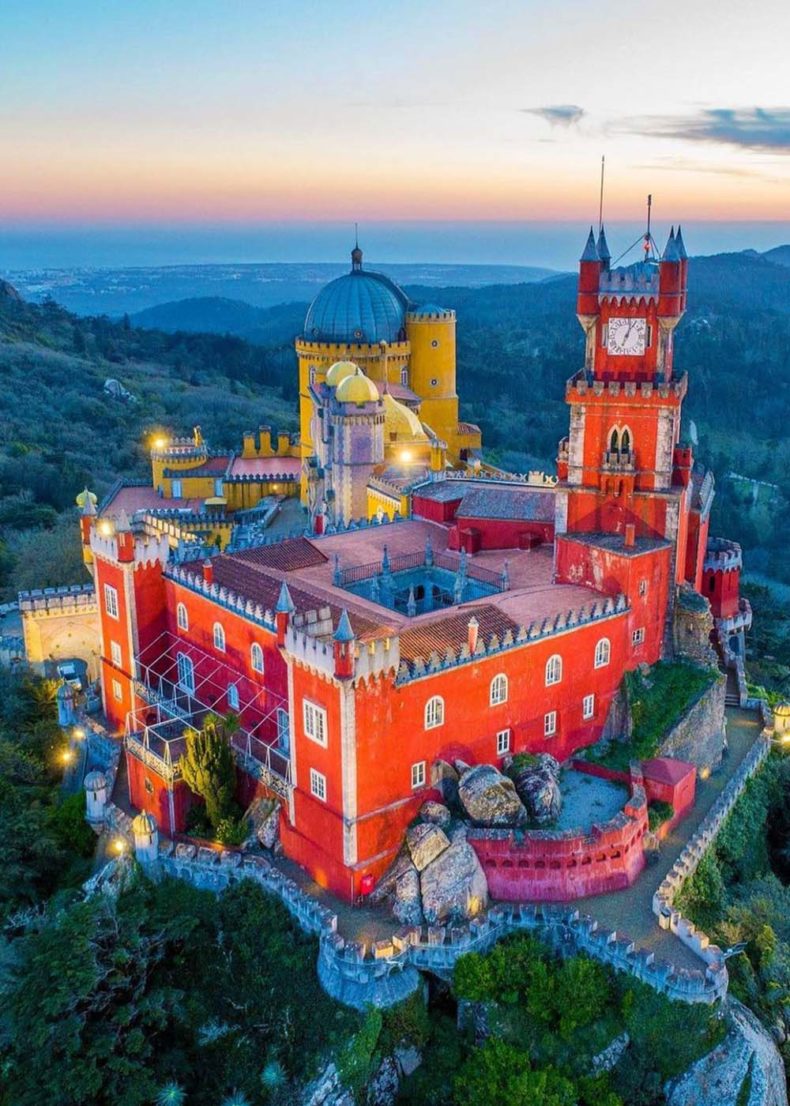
519	504
286	556
421	639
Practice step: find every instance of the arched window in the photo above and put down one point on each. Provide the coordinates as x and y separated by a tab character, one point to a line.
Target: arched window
553	670
434	712
614	441
498	693
256	658
603	652
625	441
186	673
219	637
182	618
233	697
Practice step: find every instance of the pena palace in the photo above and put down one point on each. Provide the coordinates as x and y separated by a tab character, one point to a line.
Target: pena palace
430	608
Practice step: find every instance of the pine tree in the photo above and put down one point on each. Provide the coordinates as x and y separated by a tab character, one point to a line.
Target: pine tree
208	767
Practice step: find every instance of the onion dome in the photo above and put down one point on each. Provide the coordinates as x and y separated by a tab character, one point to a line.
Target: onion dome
428	309
95	781
357	388
360	307
86	501
144	824
339	371
400	423
782	710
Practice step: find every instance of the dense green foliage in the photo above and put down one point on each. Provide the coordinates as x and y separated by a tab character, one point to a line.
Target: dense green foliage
46	842
657	699
109	999
545	1019
739	893
209	771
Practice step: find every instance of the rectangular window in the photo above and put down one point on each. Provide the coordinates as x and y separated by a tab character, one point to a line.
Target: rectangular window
588	707
115	653
117	690
638	636
111	600
643	587
605	334
550	724
176	489
318	785
418	774
314	722
283	730
502	743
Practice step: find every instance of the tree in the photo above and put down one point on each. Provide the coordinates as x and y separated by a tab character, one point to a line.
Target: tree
208	767
498	1074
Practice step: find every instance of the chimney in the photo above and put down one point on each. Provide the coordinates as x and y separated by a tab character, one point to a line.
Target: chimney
630	535
472	632
208	571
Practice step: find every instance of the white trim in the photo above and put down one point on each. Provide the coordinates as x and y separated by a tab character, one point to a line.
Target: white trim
503	742
498	690
314	723
550	723
588	707
348	771
318	785
418	775
116	654
433	715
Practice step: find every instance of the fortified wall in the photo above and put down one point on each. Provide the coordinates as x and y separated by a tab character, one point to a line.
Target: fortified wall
60	623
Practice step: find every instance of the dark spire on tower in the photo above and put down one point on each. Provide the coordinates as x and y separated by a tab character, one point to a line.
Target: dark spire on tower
671	249
603	248
356	253
680	245
590	251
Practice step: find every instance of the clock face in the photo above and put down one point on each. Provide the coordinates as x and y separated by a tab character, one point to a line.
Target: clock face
627	337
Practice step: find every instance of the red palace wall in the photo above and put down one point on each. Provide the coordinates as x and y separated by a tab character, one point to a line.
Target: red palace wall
679	793
497	533
541	866
434	509
149	792
723	590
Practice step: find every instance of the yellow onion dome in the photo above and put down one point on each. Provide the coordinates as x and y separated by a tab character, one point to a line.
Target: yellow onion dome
357	388
339	371
400	422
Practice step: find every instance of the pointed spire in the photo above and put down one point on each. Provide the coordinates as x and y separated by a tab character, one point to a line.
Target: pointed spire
356	253
603	247
343	631
671	248
122	523
285	605
680	245
89	506
590	251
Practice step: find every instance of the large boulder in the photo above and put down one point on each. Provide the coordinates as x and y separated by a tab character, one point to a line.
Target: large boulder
454	885
407	904
437	813
489	799
425	842
386	885
538	787
444	776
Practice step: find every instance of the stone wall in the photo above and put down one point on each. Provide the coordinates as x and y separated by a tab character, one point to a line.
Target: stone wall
699	735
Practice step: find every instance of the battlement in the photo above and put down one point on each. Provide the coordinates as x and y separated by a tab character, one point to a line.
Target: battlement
310	651
583	385
361	349
377	658
601	609
79	598
423	315
722	555
221	595
141	548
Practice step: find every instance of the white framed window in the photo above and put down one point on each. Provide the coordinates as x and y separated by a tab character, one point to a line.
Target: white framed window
434	712
502	743
115	653
256	657
219	637
111	600
186	673
117	690
553	670
550	724
233	697
176	489
498	691
318	785
643	587
418	774
638	636
314	718
603	652
182	617
588	707
404	377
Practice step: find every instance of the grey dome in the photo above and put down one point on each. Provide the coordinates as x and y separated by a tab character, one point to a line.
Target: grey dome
360	307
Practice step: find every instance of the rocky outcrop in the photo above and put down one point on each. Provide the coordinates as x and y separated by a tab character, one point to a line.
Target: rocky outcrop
425	841
744	1070
445	777
407	902
436	813
454	885
538	787
489	799
699	736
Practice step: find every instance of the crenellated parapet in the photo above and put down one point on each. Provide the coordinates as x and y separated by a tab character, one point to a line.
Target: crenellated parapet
76	599
421	667
143	549
224	597
310	652
722	555
377	658
583	385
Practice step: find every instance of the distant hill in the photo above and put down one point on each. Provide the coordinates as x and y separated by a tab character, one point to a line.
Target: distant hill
219	315
779	255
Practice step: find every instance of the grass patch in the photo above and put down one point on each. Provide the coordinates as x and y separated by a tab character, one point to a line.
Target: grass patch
658	812
657	701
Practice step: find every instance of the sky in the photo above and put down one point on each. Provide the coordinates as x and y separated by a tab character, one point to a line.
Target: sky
179	119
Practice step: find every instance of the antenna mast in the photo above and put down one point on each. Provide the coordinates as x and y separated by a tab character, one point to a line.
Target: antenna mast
600	202
647	232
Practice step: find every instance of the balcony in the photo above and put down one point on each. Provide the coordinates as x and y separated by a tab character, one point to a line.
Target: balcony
618	460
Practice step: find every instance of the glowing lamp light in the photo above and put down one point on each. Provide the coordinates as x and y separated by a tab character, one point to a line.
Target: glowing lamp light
119	846
405	456
160	442
67	756
106	528
78	733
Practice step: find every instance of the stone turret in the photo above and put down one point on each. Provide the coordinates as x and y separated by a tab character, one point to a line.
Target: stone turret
96	795
146	838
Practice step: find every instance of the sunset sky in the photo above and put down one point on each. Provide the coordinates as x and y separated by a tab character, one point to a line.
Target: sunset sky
242	111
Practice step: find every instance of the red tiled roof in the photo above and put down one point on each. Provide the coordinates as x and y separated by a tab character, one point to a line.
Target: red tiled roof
214	466
667	769
421	639
266	466
138	497
286	556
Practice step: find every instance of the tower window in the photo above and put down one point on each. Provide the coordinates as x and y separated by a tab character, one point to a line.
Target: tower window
111	600
219	637
182	617
614	441
318	785
256	658
418	774
115	653
314	718
498	692
502	743
434	712
638	636
404	377
553	670
588	707
603	651
625	442
550	724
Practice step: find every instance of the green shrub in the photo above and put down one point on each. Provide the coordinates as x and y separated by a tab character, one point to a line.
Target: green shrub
71	830
407	1024
659	812
357	1061
232	830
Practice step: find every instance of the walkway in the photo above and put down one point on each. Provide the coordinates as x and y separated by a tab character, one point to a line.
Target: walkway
631	911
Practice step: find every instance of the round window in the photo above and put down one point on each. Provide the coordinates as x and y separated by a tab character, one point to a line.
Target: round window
434	382
435	343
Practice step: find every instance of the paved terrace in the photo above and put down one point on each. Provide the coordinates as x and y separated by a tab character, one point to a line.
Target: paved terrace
628	912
